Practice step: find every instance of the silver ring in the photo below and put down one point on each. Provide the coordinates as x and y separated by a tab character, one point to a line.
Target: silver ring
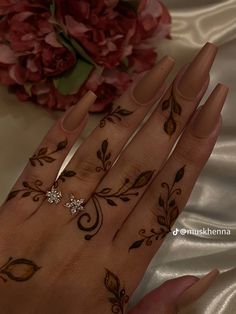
76	206
54	196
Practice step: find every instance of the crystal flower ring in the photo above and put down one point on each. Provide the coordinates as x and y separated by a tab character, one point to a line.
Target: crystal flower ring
75	205
54	196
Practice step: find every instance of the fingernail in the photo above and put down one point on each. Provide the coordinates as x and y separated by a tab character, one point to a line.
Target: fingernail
199	288
76	114
197	73
146	90
207	117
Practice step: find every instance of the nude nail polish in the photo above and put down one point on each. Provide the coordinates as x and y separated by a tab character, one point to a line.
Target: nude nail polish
196	74
196	290
146	90
207	117
77	114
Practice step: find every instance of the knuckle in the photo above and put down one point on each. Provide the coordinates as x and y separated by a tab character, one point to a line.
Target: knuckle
192	152
86	169
133	169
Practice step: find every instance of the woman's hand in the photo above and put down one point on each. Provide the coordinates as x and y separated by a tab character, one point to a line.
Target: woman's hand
81	242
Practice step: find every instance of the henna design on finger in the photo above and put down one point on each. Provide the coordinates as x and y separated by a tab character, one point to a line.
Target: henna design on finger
44	156
118	298
18	270
92	223
63	176
166	213
33	190
104	157
113	116
174	109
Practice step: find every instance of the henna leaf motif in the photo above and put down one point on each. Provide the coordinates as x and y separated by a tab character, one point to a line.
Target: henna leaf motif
12	195
92	223
143	179
104	157
29	189
44	156
170	126
119	298
174	109
18	270
113	116
137	244
166	214
179	174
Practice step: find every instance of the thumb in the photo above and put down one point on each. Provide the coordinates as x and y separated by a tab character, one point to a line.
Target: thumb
174	294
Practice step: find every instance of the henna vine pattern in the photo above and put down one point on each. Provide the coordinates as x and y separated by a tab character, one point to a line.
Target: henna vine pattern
118	297
113	116
44	156
175	109
18	270
88	224
166	213
29	189
104	156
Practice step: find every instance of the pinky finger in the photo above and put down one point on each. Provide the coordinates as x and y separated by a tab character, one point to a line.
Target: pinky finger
43	166
152	219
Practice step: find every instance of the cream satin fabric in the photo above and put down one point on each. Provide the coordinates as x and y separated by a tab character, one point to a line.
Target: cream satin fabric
213	202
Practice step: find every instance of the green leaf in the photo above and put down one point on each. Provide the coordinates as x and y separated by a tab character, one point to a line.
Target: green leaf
80	50
53	8
74	79
65	41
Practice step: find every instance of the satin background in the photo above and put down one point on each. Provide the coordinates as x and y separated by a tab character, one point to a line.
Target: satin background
213	201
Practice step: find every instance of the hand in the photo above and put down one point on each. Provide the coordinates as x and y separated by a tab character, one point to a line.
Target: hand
81	242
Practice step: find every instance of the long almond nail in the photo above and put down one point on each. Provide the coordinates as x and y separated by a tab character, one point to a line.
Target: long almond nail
76	115
207	117
199	288
197	73
146	90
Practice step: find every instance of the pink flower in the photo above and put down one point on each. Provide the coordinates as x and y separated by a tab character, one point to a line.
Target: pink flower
36	47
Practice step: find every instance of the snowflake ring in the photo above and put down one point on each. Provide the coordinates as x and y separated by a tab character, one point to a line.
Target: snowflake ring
54	196
76	206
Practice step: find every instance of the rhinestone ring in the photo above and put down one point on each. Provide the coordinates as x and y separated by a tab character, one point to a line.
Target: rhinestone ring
75	205
54	196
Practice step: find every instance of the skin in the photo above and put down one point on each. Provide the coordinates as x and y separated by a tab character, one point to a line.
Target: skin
53	262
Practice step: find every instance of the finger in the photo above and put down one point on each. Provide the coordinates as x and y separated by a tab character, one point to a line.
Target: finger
197	290
96	155
43	167
165	298
175	294
152	219
124	185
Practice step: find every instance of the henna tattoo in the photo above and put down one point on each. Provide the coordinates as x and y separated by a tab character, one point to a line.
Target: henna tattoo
118	298
114	115
44	156
166	213
92	223
28	190
174	109
63	176
104	157
18	270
